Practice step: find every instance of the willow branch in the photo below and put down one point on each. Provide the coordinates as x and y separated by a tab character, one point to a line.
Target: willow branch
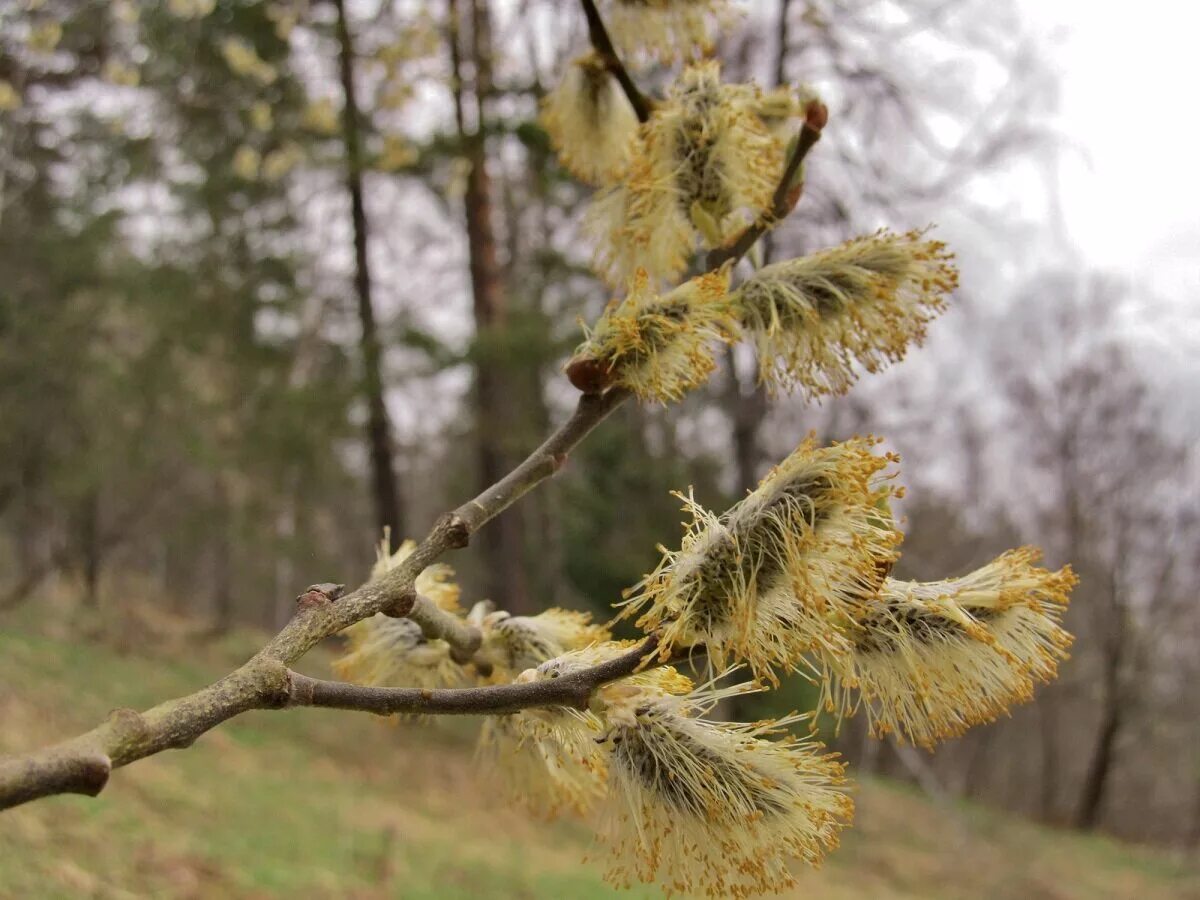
603	45
573	689
437	624
83	764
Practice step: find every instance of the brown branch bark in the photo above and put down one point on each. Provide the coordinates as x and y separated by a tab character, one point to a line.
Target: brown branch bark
437	624
82	765
574	689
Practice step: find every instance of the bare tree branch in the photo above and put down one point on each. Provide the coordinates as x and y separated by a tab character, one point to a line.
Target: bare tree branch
573	689
437	624
82	765
603	45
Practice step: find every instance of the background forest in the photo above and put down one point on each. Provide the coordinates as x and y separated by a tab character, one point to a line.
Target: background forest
277	275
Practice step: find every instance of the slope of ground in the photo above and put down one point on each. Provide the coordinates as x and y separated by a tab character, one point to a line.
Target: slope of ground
324	804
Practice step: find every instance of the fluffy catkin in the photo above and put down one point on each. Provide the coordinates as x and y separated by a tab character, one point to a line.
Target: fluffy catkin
706	165
512	644
390	652
715	808
590	122
665	30
930	660
658	346
862	304
777	575
547	760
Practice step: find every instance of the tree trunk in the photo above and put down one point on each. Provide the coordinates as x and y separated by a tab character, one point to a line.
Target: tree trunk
388	509
90	551
502	540
748	398
748	408
1100	765
1048	707
1095	782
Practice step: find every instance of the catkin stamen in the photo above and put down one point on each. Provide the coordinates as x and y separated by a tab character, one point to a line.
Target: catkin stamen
928	661
818	319
777	575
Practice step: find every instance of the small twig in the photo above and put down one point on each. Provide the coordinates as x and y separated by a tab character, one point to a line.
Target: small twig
82	765
437	624
603	45
574	689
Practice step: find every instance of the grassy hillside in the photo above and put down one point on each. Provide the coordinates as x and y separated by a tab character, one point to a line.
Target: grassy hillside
325	804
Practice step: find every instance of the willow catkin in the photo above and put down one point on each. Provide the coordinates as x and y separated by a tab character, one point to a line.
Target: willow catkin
777	575
657	346
716	808
930	660
815	320
590	122
547	760
665	30
393	652
706	166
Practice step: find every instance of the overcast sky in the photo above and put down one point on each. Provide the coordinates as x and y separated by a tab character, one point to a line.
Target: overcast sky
1131	189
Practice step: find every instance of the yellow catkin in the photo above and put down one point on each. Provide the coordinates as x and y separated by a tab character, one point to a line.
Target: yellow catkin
706	165
772	578
513	644
550	759
547	760
715	808
661	346
665	30
590	122
930	660
861	304
548	767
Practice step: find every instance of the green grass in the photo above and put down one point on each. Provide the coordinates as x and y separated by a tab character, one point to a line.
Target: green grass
317	803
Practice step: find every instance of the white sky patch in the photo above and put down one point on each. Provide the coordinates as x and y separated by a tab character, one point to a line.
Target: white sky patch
1130	185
